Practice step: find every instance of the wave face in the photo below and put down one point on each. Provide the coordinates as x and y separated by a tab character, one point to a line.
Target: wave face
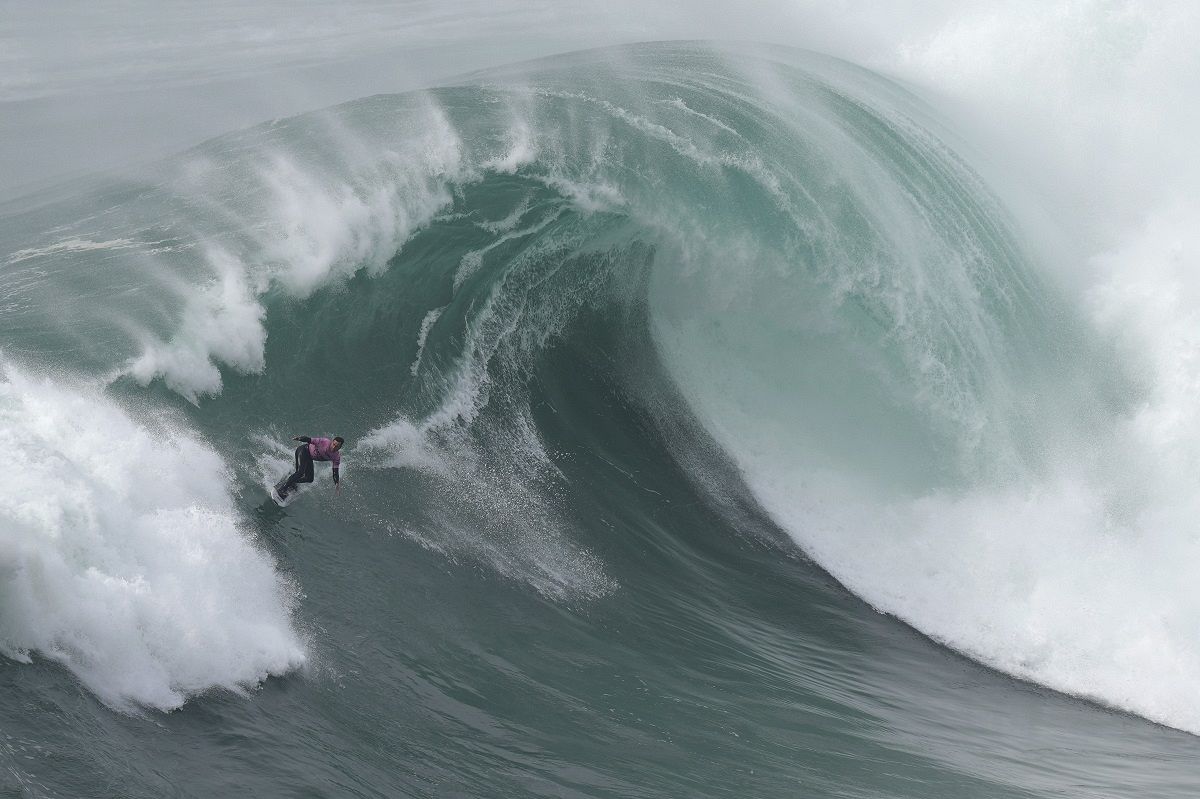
615	337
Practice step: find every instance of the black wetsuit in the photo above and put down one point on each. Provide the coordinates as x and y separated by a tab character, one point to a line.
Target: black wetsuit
304	468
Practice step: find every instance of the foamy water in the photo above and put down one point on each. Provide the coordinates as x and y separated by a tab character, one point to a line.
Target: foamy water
123	557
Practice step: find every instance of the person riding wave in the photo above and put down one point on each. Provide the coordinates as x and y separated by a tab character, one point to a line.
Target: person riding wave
314	449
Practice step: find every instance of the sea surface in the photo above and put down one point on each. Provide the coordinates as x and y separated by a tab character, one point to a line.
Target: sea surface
719	423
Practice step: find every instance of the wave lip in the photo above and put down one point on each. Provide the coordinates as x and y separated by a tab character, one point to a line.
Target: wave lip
122	558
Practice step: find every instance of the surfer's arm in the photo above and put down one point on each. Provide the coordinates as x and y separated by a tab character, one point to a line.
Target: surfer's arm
336	477
305	439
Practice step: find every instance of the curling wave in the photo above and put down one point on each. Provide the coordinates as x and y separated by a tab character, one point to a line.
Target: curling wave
790	252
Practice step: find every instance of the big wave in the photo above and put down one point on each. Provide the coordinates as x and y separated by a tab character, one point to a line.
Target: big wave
820	273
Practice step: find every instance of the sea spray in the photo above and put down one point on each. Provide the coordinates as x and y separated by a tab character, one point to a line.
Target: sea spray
302	223
122	556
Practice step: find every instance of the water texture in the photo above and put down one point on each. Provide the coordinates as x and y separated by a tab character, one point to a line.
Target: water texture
719	423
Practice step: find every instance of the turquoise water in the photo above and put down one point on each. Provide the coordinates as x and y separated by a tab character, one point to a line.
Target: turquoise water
713	429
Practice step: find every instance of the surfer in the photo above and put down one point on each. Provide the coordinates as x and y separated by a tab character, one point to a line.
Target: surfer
313	449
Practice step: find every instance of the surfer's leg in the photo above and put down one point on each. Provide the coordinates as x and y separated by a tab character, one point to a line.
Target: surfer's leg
303	473
298	472
306	465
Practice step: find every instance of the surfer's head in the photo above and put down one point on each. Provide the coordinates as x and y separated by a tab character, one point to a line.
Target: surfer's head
337	442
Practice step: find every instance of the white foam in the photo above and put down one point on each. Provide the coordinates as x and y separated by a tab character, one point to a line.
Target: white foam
122	557
507	223
313	230
70	245
222	323
472	261
1092	570
680	105
589	197
1063	582
426	325
522	150
1078	574
319	230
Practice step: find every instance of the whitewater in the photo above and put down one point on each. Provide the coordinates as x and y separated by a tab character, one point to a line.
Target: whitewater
721	416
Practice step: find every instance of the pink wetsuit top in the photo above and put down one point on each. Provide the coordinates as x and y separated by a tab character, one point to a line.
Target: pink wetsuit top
321	450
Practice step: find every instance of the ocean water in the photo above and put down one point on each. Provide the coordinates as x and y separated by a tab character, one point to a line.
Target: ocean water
722	419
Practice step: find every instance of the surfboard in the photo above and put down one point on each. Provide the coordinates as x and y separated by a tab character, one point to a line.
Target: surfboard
282	502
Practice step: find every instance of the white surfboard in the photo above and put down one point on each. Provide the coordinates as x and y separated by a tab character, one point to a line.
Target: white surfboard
282	502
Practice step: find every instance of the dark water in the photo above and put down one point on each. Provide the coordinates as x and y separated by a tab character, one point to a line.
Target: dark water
548	573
